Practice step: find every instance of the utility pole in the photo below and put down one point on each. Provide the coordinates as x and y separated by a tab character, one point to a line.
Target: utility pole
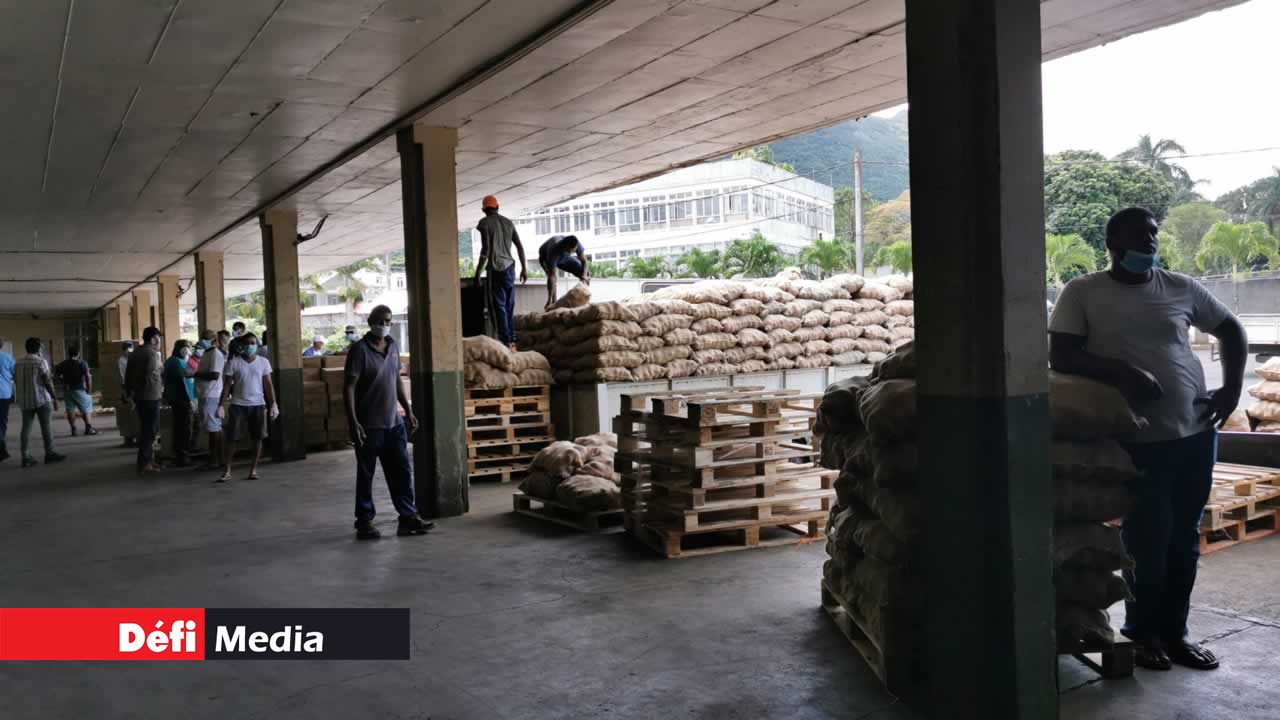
857	210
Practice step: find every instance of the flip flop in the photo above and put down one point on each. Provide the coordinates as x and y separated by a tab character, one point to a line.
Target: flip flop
252	476
1189	654
1151	658
225	476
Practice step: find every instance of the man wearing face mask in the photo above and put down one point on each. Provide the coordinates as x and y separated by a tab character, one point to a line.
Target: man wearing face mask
178	392
247	381
373	392
1127	327
144	386
209	392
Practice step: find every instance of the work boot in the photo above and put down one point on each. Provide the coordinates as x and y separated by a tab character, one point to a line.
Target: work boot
413	525
53	457
365	530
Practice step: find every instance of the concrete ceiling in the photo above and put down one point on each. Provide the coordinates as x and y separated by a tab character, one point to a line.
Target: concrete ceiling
137	130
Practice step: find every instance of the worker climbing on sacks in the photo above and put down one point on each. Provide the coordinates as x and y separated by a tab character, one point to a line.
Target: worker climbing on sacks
1127	327
497	236
562	252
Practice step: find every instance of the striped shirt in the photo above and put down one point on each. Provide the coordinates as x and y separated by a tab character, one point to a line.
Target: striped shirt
30	374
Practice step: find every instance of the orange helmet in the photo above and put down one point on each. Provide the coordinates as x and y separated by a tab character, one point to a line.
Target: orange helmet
489	202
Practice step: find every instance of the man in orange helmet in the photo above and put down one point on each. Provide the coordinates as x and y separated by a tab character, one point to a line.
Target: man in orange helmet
497	235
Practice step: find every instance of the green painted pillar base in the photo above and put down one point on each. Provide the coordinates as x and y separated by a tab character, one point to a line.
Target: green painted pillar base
288	439
440	447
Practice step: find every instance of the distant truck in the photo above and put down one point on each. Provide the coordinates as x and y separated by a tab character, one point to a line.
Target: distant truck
1264	336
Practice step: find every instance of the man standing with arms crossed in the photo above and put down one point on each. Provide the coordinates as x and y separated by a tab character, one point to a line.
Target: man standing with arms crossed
497	235
372	392
1127	327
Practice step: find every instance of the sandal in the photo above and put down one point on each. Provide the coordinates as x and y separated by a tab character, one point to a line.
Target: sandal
1189	654
1151	657
252	476
226	475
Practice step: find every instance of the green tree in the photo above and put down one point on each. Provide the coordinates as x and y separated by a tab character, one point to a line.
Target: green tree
699	263
764	154
308	286
352	290
1182	230
1154	154
604	269
466	267
843	211
753	257
1082	189
1237	248
896	255
251	306
1259	200
886	224
827	256
1066	256
648	267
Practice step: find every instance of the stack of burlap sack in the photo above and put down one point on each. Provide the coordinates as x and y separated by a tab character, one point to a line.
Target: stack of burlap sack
1263	415
867	429
488	363
723	327
577	474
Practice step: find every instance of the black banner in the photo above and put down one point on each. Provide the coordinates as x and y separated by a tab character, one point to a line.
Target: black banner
306	634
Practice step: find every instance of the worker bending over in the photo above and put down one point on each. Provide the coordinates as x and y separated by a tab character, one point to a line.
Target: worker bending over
562	252
1127	327
497	236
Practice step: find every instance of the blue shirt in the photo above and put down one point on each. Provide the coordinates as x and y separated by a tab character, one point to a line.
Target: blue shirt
312	352
176	383
6	376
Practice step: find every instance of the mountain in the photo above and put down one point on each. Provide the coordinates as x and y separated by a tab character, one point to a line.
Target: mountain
881	140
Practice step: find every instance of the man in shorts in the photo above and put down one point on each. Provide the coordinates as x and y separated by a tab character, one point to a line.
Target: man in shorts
247	382
77	384
562	252
209	391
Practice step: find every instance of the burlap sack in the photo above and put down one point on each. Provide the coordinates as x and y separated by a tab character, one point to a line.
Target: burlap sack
664	355
702	293
540	485
878	291
1265	412
786	363
815	318
813	361
643	309
888	409
875	357
751	366
840	317
870	346
707	325
661	324
558	317
613	358
838	411
777	336
900	307
586	493
600	439
528	321
876	332
714	341
810	332
739	355
649	372
1238	422
903	333
482	348
785	350
841	345
483	375
741	322
861	305
873	317
680	337
852	332
646	343
534	376
716	369
1268	390
817	347
850	282
774	308
674	307
1084	408
1089	502
560	459
904	285
1079	627
1091	545
681	368
1267	426
876	541
577	333
837	305
709	355
528	360
603	374
751	337
1270	370
853	357
746	306
1100	461
767	294
606	311
786	322
894	321
836	290
577	297
901	364
809	290
798	308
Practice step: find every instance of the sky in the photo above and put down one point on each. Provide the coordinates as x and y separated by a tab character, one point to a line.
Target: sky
1208	83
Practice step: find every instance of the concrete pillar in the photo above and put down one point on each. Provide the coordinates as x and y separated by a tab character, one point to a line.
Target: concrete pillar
973	79
427	177
211	299
124	320
168	309
142	312
111	323
284	324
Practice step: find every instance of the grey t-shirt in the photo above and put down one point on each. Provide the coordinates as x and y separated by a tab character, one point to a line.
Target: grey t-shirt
377	379
1146	325
500	232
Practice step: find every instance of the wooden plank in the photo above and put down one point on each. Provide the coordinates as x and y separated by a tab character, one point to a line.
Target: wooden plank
678	545
900	675
481	422
599	522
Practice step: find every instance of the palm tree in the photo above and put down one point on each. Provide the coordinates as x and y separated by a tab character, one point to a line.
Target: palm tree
896	256
647	267
699	263
1066	254
252	306
352	290
828	256
604	269
1239	247
753	257
1153	155
308	285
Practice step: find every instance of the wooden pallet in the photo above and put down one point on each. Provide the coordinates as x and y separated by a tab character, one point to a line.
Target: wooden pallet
496	396
804	482
600	522
507	406
902	676
746	409
525	432
496	420
501	473
504	447
671	542
1234	532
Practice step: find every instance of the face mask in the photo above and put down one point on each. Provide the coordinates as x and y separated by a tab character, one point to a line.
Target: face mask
184	353
250	350
237	333
380	331
1138	263
352	337
199	352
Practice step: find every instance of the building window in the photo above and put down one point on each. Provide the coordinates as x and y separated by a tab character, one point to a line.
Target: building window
628	253
399	283
542	222
606	218
581	218
655	212
681	209
736	204
629	215
708	207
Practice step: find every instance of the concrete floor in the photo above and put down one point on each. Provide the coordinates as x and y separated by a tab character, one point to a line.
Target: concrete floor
511	618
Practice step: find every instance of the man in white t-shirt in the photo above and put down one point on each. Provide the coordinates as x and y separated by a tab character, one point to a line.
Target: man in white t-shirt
246	379
1127	327
213	358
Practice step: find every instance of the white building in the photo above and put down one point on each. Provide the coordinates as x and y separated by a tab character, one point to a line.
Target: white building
706	206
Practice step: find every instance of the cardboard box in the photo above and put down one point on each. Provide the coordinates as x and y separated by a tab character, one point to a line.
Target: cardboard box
333	378
311	374
333	361
314	361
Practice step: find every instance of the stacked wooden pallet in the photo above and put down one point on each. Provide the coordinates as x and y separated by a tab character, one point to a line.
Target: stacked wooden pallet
1244	504
505	428
726	470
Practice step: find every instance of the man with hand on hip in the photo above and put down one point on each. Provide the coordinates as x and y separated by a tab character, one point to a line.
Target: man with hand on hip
373	396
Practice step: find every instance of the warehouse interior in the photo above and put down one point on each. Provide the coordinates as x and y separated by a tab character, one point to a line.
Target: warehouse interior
171	153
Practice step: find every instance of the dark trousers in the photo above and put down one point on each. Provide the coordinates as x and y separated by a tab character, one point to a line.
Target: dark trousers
182	430
391	448
42	414
148	418
4	424
502	284
1162	533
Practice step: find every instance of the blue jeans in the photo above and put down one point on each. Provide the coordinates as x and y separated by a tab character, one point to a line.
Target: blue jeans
148	418
570	264
4	425
1162	533
502	284
391	448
